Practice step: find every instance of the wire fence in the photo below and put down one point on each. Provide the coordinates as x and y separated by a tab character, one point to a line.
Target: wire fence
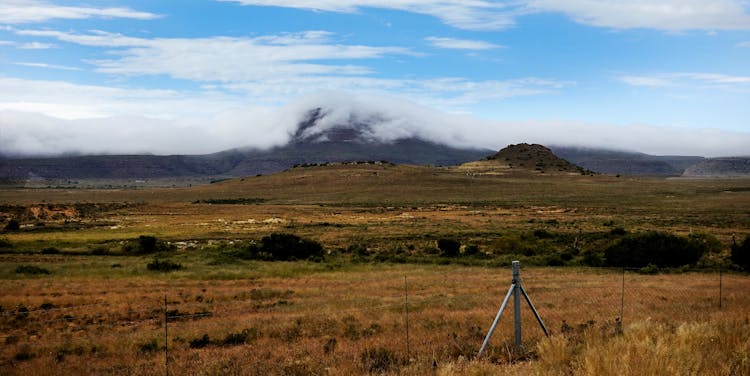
431	316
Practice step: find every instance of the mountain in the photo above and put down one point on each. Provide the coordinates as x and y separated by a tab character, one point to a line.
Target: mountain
626	163
317	139
720	167
533	158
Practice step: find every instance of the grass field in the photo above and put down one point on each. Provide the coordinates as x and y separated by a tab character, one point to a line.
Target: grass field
101	311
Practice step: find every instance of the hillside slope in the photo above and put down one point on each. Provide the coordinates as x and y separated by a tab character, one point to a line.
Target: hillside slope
720	167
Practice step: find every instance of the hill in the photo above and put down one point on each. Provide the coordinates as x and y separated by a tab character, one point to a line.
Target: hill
519	158
626	163
720	167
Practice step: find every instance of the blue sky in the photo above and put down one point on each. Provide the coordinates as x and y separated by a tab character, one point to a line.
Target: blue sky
198	76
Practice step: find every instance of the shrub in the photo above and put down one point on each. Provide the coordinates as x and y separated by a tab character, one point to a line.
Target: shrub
659	249
50	251
149	346
31	269
741	254
233	339
471	250
12	225
199	343
287	247
145	244
449	247
163	266
5	244
379	360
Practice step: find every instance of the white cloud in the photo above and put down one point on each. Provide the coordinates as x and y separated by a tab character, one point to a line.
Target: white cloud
461	44
668	15
225	59
463	14
693	79
34	11
73	101
36	46
49	66
745	44
392	118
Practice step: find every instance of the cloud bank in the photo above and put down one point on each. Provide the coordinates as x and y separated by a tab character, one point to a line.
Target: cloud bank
23	133
668	15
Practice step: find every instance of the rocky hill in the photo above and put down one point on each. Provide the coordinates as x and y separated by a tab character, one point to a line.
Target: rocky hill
523	158
720	167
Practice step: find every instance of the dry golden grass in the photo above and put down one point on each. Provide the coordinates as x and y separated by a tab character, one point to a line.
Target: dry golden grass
89	317
322	322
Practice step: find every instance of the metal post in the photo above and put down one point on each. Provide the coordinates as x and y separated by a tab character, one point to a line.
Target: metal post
720	288
517	301
622	300
406	308
516	289
166	337
497	319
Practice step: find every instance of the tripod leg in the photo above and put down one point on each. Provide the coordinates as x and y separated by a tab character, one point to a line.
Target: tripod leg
497	319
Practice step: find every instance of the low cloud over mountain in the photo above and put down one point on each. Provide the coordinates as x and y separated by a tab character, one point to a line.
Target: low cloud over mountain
387	118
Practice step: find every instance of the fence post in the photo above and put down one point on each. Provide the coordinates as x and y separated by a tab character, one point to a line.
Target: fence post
166	337
622	300
517	302
406	308
721	288
515	289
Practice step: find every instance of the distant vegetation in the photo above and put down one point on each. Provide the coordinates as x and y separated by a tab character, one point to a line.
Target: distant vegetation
284	247
230	201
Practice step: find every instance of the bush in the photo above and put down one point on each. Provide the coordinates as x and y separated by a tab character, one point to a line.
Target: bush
200	343
50	251
471	250
659	249
12	225
163	266
149	346
286	247
741	254
30	269
379	360
145	244
449	247
5	244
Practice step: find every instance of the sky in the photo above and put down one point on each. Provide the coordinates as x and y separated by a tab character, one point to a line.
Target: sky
669	77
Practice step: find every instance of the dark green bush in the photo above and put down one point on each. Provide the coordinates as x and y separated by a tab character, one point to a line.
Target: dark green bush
471	250
285	247
659	249
50	251
199	343
30	269
5	244
145	244
149	346
163	266
449	247
741	254
12	226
